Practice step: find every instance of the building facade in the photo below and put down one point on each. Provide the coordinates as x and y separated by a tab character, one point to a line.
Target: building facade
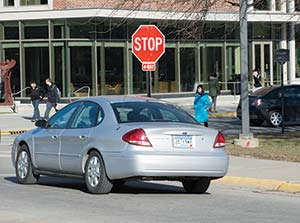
87	44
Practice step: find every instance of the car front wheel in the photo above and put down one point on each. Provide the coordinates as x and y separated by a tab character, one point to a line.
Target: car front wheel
24	170
95	175
275	118
199	186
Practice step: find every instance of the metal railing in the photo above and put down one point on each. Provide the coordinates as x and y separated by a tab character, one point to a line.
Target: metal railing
13	107
78	90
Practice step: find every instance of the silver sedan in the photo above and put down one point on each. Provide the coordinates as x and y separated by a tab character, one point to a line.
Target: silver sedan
111	140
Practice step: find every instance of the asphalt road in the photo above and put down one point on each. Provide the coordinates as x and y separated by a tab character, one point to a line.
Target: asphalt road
67	200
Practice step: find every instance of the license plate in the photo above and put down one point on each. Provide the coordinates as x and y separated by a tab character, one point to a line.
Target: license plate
183	141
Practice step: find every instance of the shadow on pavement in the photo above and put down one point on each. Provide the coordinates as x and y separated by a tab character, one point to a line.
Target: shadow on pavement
133	187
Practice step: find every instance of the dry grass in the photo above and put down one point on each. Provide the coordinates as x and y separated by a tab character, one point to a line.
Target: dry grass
273	146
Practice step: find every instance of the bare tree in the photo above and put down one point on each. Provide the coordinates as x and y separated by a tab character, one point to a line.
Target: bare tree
187	18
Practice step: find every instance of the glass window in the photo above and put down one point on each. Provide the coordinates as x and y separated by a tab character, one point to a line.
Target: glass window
166	72
58	68
36	32
57	32
81	69
33	2
274	94
11	32
297	5
9	2
187	69
214	62
292	92
232	31
261	30
37	64
61	118
85	30
127	112
114	70
214	31
114	30
138	76
87	117
233	65
261	4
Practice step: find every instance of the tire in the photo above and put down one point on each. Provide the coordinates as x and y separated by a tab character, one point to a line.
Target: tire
275	118
199	186
95	175
24	169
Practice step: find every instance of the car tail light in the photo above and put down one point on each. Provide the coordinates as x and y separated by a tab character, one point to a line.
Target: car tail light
220	141
257	102
137	137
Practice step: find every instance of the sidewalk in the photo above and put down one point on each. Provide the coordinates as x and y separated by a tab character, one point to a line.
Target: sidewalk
225	103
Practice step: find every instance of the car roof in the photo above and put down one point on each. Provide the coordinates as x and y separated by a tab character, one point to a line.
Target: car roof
121	98
265	90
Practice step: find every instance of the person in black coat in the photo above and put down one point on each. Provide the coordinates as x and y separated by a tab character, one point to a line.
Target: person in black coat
53	98
35	96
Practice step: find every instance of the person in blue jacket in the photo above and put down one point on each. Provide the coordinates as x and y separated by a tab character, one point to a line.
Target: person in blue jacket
201	105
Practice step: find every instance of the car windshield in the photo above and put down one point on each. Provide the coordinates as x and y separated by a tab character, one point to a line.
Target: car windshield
128	112
263	91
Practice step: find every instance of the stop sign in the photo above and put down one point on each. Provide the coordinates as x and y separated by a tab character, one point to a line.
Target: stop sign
148	44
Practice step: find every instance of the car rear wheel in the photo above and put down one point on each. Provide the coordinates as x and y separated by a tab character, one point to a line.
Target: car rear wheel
275	118
199	186
95	175
24	170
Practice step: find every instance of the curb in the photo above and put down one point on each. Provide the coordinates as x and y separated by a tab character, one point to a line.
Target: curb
223	114
12	132
273	185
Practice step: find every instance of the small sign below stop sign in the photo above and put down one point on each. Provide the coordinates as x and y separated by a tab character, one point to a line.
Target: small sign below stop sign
148	44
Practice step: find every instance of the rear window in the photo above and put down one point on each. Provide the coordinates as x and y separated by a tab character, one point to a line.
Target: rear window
263	91
128	112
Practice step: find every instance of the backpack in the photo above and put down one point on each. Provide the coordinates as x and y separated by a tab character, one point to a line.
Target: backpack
58	93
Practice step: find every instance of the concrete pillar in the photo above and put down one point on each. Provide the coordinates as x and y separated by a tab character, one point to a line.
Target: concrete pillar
272	5
283	45
292	44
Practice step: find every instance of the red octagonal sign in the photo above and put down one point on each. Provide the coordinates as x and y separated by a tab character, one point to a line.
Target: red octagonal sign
148	44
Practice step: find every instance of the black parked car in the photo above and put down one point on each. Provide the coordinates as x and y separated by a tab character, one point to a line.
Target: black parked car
265	105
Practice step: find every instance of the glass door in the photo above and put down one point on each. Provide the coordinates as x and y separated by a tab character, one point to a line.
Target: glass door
262	57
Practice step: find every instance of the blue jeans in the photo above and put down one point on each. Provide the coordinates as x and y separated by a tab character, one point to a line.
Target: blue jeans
36	110
49	106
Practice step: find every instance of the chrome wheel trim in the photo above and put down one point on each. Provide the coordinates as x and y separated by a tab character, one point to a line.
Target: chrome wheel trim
23	164
94	171
276	118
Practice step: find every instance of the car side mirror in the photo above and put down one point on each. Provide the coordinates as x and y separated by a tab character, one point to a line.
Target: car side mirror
41	123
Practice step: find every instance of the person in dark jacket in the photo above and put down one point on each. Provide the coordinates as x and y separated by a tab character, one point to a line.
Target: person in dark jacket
214	91
201	105
35	96
53	98
257	79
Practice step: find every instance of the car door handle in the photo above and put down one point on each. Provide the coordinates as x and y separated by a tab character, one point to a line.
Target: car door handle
54	137
82	137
